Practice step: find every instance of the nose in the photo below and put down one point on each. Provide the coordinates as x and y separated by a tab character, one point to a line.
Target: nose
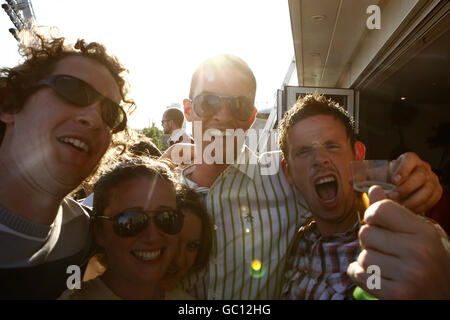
320	157
224	114
90	116
152	232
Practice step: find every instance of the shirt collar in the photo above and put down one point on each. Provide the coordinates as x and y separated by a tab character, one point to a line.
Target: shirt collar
344	237
176	134
187	171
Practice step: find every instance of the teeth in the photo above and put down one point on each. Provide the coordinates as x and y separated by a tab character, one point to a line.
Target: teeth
77	143
147	255
325	180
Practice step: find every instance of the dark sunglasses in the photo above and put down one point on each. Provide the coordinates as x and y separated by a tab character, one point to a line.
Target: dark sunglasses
131	222
82	94
207	104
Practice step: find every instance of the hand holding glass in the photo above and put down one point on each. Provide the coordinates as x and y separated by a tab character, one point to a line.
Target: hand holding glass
366	173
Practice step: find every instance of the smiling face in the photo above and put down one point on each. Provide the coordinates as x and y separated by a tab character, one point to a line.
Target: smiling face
230	82
140	260
55	143
188	247
318	164
227	82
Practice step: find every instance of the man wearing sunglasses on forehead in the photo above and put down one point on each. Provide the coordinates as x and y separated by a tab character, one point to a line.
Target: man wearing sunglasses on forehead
255	212
59	110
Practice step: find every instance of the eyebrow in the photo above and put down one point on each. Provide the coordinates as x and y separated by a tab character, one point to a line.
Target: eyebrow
309	145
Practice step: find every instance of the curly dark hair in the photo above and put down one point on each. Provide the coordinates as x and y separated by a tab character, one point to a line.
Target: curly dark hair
189	200
41	53
313	105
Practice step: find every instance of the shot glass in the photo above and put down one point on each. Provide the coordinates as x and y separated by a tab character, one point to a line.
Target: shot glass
366	173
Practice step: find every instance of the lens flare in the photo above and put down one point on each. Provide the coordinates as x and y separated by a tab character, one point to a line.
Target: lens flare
256	265
257	269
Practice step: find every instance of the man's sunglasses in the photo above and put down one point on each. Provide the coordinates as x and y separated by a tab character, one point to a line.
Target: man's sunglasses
207	104
132	222
82	94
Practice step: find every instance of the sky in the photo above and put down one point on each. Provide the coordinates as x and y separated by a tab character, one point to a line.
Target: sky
162	42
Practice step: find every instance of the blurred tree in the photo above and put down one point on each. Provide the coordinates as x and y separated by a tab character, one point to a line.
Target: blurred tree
155	134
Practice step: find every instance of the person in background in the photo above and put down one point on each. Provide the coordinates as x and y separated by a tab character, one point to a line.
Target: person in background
136	227
138	145
60	109
332	252
172	124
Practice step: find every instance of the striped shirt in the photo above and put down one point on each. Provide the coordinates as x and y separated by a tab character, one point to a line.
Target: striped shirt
255	217
317	266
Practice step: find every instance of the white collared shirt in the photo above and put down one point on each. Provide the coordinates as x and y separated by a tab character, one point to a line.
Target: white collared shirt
255	217
180	133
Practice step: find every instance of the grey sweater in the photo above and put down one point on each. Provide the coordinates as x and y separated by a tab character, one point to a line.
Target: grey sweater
34	258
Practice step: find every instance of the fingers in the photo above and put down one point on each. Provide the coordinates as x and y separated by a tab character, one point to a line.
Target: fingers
387	214
362	278
404	165
418	187
388	264
376	193
381	240
426	197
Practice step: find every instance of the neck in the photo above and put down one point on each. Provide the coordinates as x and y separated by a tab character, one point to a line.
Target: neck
205	174
133	291
23	196
329	228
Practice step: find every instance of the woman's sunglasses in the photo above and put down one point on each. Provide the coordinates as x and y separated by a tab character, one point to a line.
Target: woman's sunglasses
131	222
82	94
207	104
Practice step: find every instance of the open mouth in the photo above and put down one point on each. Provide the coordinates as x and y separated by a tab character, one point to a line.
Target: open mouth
76	143
326	188
147	255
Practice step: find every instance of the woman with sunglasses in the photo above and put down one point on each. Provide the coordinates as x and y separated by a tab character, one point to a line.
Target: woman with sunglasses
136	226
195	241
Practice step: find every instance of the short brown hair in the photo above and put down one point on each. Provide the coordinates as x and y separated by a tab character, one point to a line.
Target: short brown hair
223	62
176	115
312	105
188	199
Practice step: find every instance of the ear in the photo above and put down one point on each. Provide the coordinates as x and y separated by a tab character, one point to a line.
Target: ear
252	118
187	109
285	167
360	150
